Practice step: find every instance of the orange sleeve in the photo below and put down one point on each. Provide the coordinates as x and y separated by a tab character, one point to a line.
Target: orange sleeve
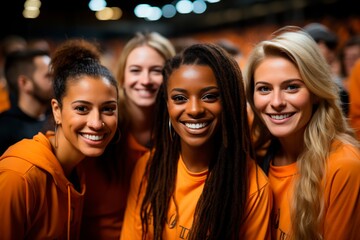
354	98
13	205
259	206
342	195
131	229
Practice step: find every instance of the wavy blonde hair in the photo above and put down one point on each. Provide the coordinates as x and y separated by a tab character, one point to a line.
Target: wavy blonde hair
326	124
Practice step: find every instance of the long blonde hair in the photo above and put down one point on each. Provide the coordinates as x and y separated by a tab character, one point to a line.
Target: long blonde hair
327	124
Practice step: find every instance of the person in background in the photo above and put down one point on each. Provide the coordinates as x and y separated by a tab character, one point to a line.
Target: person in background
140	76
41	183
29	81
199	181
350	53
313	161
9	44
354	95
327	42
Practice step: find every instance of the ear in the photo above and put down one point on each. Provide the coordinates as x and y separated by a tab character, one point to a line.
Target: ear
23	82
56	110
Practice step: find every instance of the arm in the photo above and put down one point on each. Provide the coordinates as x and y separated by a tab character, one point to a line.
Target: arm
259	207
342	200
132	229
13	205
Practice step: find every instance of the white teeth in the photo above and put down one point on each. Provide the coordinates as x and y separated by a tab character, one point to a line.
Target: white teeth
195	125
280	117
93	137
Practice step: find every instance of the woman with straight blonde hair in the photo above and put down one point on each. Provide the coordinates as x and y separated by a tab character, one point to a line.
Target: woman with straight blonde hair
139	75
312	160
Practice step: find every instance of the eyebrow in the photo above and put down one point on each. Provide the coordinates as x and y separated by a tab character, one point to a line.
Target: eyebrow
87	102
202	90
286	81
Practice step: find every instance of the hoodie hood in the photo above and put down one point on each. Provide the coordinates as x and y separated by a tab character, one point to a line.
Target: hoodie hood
38	151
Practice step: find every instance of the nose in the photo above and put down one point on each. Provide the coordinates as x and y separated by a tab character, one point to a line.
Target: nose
195	108
94	121
145	78
278	100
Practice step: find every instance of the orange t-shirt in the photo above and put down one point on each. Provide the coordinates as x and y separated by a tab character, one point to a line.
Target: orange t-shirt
105	201
341	195
189	187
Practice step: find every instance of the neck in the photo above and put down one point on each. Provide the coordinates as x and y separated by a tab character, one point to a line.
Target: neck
141	121
32	107
67	156
197	159
290	150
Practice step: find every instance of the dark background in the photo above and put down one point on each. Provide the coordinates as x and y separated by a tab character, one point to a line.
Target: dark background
60	19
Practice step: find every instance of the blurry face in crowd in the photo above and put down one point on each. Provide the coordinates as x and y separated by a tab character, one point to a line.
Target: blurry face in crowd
42	84
88	118
194	104
351	54
282	98
143	76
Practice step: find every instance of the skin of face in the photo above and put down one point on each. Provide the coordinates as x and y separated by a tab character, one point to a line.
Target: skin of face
351	55
281	98
194	104
42	84
143	76
88	103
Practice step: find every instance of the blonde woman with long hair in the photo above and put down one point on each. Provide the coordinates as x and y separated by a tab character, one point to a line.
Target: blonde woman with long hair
313	160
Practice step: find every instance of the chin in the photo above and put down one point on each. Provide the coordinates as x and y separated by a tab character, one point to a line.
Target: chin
93	152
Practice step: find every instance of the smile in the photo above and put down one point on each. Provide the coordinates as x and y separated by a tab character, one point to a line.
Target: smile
280	116
196	125
93	137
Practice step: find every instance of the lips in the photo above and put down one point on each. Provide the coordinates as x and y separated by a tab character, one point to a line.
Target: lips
280	116
146	92
196	125
93	137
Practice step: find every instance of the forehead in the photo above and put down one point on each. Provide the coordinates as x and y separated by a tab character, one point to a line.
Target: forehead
144	53
90	87
192	76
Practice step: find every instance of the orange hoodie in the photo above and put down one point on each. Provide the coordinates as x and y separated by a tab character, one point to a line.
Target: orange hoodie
37	200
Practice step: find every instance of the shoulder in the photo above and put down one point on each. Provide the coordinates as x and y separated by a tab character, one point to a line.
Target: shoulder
141	164
344	154
344	160
258	181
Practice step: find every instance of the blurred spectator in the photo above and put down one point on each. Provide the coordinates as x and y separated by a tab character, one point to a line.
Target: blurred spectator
39	43
28	79
350	53
9	44
328	42
354	95
231	48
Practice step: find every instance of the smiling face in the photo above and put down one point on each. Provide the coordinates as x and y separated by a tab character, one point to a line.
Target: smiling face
282	98
143	76
88	117
194	104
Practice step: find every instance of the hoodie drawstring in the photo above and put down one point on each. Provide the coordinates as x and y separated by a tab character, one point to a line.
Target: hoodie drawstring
69	211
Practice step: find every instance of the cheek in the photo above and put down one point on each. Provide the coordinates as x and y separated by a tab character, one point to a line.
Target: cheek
157	79
129	79
259	101
173	112
112	123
